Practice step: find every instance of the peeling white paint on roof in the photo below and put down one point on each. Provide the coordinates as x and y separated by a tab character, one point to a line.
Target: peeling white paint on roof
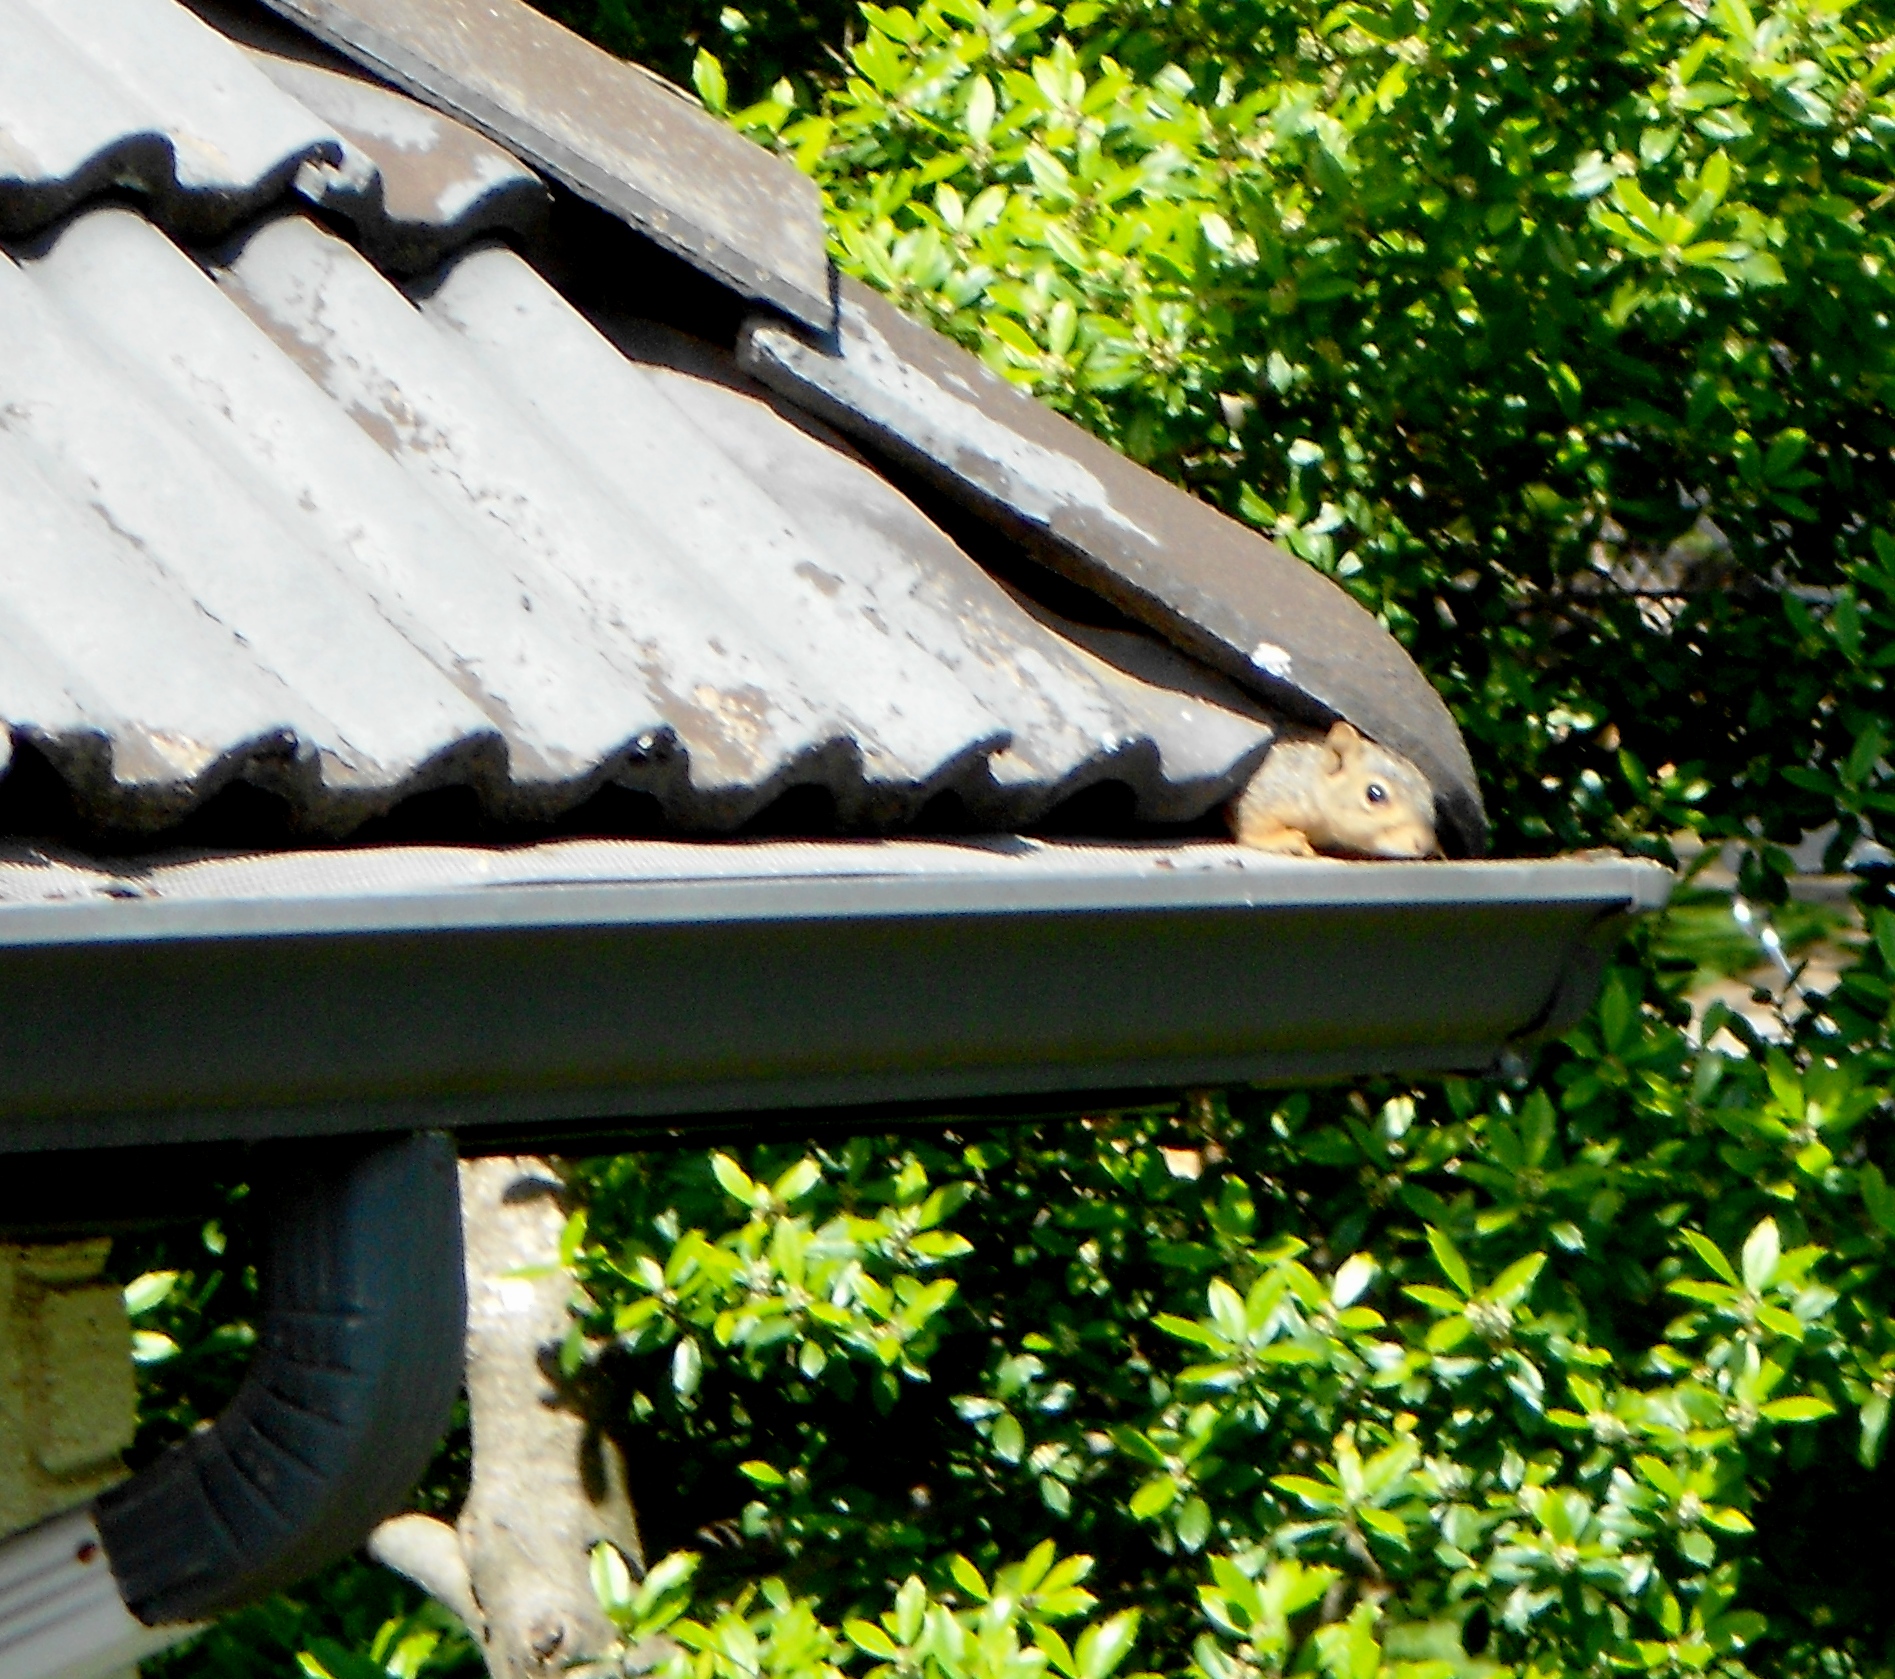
1275	661
278	523
1043	481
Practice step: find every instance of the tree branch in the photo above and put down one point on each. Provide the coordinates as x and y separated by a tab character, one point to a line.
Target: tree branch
547	1484
428	1552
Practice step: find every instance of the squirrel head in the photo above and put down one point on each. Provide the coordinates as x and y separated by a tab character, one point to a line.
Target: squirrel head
1376	803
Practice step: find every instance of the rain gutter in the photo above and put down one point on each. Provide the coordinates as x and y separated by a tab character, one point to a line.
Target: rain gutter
694	1002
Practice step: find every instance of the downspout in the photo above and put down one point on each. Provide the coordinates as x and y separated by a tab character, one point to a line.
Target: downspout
357	1366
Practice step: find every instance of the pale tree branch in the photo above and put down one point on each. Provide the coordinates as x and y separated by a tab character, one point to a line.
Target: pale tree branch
428	1552
547	1483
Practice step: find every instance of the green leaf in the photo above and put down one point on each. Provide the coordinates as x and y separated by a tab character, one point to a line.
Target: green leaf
1058	1653
1762	1249
1515	1283
865	1635
1352	1279
326	1659
149	1346
1136	1445
911	1607
1802	1408
968	1578
1227	1310
687	1367
1736	1631
1154	1497
1384	1522
1193	1524
1448	1257
1874	1429
762	1474
572	1238
707	76
612	1582
797	1182
671	1573
1318	1495
1712	1255
735	1180
151	1289
1102	1648
1009	1438
1786	449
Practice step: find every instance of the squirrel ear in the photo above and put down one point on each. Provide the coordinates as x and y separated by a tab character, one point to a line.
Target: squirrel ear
1344	742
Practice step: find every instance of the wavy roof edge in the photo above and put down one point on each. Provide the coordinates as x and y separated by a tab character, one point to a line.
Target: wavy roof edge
1166	559
101	97
280	523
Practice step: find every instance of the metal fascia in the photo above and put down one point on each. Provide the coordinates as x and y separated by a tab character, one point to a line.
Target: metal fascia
1607	884
148	1022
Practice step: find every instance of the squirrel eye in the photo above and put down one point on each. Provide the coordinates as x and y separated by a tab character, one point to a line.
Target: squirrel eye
1377	793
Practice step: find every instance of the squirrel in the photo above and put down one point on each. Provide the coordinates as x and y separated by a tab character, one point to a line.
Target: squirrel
1337	794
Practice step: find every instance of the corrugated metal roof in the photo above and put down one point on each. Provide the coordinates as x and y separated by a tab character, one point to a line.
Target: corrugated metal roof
275	518
617	136
106	95
1212	587
415	185
356	504
96	94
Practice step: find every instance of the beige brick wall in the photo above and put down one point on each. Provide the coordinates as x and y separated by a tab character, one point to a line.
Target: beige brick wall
67	1398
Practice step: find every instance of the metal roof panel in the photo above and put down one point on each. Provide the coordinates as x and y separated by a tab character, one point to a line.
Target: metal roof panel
462	533
102	93
614	133
416	185
467	535
174	516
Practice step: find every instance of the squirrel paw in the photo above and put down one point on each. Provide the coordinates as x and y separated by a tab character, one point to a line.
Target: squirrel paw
1273	838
